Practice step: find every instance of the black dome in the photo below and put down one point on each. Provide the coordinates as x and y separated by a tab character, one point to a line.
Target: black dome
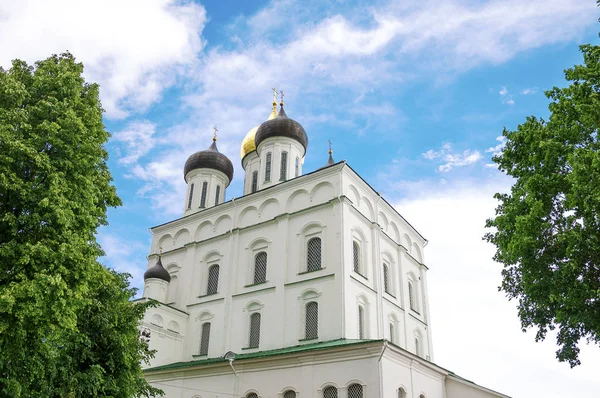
209	159
158	272
281	126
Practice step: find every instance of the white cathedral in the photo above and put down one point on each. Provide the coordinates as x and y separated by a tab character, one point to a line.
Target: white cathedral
308	285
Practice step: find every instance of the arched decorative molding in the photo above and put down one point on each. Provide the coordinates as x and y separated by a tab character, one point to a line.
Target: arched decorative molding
204	316
248	216
269	209
182	237
298	200
211	256
366	207
388	257
223	224
309	293
406	242
286	389
258	242
248	392
306	228
165	242
157	320
416	253
353	195
328	384
402	388
253	305
394	232
355	381
173	327
322	192
204	231
383	221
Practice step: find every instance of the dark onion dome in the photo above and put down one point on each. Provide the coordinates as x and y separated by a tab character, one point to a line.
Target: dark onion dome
158	272
281	126
209	159
330	161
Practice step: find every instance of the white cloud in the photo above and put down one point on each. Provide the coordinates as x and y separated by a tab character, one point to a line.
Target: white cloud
124	255
505	96
503	91
452	159
476	332
529	91
133	48
138	139
496	149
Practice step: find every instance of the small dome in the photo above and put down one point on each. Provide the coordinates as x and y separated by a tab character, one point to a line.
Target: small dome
248	145
157	272
209	159
281	126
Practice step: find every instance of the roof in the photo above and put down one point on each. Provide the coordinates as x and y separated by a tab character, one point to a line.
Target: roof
268	353
210	158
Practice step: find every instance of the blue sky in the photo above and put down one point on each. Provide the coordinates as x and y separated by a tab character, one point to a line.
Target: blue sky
414	95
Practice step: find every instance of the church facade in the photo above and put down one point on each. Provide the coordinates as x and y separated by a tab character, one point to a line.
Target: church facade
310	284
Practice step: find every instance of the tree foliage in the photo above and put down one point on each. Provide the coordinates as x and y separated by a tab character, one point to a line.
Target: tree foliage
547	229
67	328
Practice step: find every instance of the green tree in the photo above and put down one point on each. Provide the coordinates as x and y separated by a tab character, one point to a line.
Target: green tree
67	328
547	229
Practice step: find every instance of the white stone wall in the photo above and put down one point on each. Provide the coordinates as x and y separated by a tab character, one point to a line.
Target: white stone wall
276	146
198	177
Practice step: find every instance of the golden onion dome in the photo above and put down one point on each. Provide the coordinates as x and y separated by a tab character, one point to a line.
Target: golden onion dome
248	144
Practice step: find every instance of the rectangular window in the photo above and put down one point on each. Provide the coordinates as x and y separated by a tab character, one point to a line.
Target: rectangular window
191	195
386	279
361	322
203	196
204	338
283	170
268	168
297	170
212	286
260	268
312	320
217	195
254	181
254	339
411	299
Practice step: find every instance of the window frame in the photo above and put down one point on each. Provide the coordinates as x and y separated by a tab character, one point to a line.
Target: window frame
309	327
266	267
217	194
254	185
212	266
202	351
268	166
190	196
311	239
283	166
254	315
297	167
204	194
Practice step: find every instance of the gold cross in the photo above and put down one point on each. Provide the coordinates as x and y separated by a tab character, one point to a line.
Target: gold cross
274	94
215	133
329	141
281	92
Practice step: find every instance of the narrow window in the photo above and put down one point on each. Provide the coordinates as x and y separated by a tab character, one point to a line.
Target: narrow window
213	280
312	320
283	170
313	255
252	395
386	279
361	322
204	338
330	392
217	195
401	393
392	332
289	394
417	348
297	170
254	330
355	391
203	197
254	181
356	256
260	268
191	196
411	298
268	168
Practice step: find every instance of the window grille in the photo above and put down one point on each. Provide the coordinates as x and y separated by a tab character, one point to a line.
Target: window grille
283	170
254	330
268	168
260	268
252	395
417	348
254	181
356	256
401	393
330	392
355	391
392	332
191	195
312	320
289	394
313	255
361	322
411	299
421	396
386	278
204	338
217	195
212	285
203	197
297	170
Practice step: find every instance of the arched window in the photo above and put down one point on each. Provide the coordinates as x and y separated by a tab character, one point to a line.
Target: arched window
297	167
289	394
204	338
252	395
312	320
217	195
203	197
356	256
401	393
212	286
283	169
355	391
254	338
392	332
189	206
361	322
422	396
268	168
313	255
330	392
411	296
260	268
254	181
386	279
